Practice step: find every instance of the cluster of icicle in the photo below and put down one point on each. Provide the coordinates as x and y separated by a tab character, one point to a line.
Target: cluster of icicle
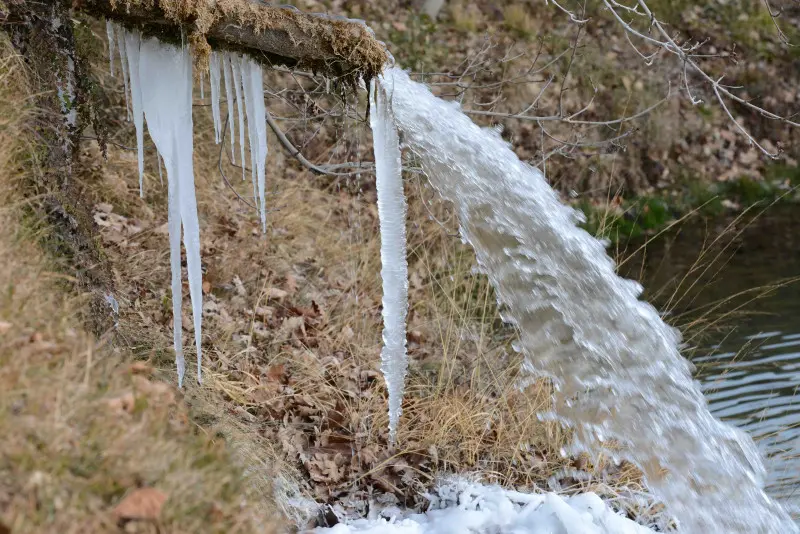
158	82
616	366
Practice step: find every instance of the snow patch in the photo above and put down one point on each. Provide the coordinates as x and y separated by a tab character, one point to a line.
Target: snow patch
462	507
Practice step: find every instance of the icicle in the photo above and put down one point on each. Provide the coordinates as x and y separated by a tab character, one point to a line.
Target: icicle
123	57
247	86
132	42
260	135
226	64
158	161
237	83
111	45
214	74
167	102
394	268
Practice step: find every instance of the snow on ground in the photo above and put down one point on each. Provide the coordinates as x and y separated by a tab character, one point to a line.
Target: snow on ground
462	507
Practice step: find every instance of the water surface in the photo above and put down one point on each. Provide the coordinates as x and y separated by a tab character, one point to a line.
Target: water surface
748	362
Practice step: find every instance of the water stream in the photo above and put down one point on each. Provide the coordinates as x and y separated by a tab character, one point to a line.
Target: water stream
616	365
749	364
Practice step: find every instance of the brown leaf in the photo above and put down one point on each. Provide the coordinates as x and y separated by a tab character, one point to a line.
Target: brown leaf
276	372
5	327
206	287
143	504
277	294
291	284
123	403
4	529
140	368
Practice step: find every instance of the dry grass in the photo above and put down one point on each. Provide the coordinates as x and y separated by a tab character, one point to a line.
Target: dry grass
291	332
82	425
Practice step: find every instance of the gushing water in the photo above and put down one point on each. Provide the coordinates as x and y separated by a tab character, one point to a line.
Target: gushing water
616	366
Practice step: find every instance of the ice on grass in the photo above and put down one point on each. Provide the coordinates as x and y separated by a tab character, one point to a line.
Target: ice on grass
462	507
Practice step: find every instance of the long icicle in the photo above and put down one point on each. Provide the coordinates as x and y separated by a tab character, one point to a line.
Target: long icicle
237	84
167	103
260	135
132	43
247	89
226	68
394	266
214	74
123	56
112	44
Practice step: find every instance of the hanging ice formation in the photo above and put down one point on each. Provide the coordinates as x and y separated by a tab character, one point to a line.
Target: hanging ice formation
123	56
166	102
257	124
394	267
237	84
132	42
226	67
215	74
111	45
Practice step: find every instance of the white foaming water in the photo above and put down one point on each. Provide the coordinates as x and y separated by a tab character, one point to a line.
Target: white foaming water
616	366
394	267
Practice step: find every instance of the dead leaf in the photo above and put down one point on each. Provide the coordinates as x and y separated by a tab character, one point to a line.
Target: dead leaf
276	372
206	287
4	529
5	327
143	504
123	403
277	294
291	284
347	333
140	368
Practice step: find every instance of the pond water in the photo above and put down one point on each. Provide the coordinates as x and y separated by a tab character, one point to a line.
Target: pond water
744	341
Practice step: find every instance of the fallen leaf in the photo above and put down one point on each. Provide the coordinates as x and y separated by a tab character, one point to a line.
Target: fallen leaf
140	368
291	284
143	504
5	327
277	294
123	403
276	372
206	287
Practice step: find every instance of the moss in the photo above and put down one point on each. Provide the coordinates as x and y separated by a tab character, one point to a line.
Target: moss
341	48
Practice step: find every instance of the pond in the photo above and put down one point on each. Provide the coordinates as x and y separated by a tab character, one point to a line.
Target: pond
727	284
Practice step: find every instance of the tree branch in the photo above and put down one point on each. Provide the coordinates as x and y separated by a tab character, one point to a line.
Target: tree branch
342	49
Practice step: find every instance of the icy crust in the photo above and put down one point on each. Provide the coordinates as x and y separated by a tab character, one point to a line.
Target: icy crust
394	267
616	366
469	508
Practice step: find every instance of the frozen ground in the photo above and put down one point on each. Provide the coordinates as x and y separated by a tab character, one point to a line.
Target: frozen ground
462	507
